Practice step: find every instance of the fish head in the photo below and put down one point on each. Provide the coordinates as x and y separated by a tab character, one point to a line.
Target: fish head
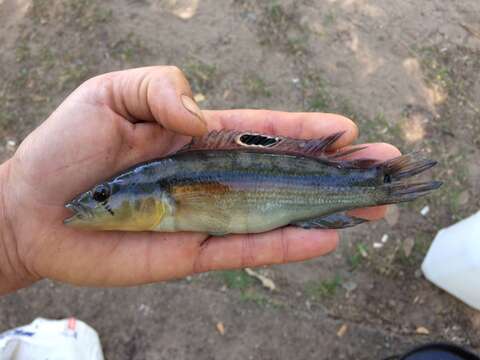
117	205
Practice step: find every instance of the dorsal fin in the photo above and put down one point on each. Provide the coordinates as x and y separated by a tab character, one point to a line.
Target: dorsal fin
242	140
235	140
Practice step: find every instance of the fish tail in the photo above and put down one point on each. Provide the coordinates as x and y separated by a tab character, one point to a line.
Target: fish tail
401	192
396	188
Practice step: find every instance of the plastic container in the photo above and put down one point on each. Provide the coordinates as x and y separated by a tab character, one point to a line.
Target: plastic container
453	260
67	339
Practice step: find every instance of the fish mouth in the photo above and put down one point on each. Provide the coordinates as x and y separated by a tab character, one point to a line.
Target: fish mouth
80	213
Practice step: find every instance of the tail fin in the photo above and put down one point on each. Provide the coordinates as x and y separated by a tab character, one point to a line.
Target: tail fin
394	171
401	192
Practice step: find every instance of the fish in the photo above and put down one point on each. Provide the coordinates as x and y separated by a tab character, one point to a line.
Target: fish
237	182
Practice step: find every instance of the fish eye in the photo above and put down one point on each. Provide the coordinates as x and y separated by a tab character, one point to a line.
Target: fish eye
101	193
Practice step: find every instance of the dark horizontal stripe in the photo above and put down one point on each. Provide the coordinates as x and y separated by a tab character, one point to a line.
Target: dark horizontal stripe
193	168
261	179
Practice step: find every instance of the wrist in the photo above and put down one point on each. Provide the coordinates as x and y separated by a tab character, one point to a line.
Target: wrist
13	274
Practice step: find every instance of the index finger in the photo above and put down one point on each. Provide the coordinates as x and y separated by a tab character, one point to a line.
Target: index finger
300	125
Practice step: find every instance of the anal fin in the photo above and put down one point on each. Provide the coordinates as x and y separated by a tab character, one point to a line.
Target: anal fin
332	221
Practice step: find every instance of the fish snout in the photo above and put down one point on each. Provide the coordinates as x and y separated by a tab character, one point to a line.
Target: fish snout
80	210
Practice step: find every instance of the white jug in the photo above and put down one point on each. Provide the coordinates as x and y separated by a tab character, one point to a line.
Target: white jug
453	260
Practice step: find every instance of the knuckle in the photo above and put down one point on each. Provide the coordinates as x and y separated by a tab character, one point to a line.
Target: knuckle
103	80
100	86
97	90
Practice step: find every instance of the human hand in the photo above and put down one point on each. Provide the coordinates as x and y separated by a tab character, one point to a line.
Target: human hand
108	124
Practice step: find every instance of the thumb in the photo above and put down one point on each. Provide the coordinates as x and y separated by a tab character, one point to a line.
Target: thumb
159	94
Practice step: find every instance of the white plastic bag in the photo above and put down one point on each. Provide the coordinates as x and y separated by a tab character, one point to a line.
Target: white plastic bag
67	339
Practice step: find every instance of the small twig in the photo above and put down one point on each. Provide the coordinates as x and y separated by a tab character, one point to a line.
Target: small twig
472	106
471	30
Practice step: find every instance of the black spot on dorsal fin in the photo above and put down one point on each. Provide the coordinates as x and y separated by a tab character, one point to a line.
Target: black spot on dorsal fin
258	140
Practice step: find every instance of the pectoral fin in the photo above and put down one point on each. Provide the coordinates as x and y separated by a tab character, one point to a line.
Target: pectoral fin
333	221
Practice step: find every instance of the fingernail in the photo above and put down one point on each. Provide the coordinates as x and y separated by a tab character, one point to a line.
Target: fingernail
193	109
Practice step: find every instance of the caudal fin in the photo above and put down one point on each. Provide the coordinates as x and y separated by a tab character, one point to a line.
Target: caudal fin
395	188
401	192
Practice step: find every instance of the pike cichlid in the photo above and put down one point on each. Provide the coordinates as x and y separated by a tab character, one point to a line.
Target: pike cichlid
241	182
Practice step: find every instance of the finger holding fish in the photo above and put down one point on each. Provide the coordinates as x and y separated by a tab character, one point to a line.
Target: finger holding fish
289	244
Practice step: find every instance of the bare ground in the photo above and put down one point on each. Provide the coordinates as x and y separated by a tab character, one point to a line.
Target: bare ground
408	72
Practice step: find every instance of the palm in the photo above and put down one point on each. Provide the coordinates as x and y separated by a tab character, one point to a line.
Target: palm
90	138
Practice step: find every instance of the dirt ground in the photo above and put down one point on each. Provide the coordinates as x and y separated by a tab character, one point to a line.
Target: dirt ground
408	72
